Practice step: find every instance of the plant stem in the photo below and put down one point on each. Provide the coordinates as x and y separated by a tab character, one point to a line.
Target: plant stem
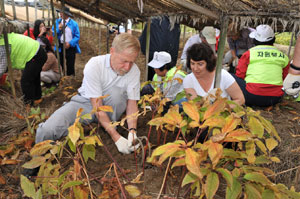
121	187
115	162
181	179
164	180
85	172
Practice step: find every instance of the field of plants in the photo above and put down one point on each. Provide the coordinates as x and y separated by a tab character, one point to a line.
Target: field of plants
244	152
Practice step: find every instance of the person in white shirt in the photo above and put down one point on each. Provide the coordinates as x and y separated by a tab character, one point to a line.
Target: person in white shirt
207	35
202	61
115	75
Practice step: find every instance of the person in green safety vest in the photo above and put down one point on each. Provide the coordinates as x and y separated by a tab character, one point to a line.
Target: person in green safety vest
27	55
262	69
169	79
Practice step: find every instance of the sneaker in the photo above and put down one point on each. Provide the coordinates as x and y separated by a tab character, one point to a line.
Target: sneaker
30	172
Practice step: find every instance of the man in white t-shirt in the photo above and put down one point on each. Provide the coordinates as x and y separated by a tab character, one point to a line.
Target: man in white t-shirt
115	75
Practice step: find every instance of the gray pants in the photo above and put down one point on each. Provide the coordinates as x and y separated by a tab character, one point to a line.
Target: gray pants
57	125
50	76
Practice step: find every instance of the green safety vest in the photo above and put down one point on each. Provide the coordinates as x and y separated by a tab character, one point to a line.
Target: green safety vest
22	49
266	65
169	76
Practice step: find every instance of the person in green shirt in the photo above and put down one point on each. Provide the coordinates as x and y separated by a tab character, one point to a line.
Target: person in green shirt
27	55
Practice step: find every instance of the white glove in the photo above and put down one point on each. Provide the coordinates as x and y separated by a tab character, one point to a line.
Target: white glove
122	145
235	62
290	84
131	137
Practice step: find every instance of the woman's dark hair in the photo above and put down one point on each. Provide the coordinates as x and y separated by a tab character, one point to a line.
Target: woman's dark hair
167	66
199	52
271	42
36	28
48	47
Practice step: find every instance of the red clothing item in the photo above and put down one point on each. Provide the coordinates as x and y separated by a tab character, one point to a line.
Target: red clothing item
31	33
50	38
258	88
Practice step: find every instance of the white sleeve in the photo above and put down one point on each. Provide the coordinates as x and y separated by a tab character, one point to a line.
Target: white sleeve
91	82
188	82
186	46
133	89
226	79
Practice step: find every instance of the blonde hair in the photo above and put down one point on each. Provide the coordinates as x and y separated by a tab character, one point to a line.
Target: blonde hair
126	41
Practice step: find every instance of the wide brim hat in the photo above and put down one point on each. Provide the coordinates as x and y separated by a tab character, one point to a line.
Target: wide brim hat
209	33
66	11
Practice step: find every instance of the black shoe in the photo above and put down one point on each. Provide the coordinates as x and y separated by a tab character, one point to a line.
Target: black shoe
30	172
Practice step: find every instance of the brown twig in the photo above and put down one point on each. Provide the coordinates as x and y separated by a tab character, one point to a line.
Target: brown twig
285	171
85	172
115	162
165	177
181	179
121	187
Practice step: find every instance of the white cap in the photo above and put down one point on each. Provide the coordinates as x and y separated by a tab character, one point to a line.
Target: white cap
160	59
263	33
209	33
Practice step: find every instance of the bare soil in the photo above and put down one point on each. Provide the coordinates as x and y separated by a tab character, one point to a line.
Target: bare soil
284	116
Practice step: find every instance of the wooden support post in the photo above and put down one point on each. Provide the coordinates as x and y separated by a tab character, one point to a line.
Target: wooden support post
27	18
9	65
147	47
107	39
55	37
221	46
49	15
64	43
183	39
14	9
290	46
35	10
99	39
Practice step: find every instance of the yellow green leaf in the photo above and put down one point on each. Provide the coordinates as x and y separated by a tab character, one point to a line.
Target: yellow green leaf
258	178
226	175
215	108
194	124
213	122
271	143
255	126
211	185
239	134
133	191
275	159
41	148
230	123
105	108
28	187
178	162
252	192
215	152
269	127
35	162
162	149
261	146
71	184
192	160
74	133
156	122
173	118
88	151
80	192
268	194
189	178
168	153
218	137
191	110
234	192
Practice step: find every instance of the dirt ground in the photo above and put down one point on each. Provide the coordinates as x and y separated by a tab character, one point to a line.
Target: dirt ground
284	116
